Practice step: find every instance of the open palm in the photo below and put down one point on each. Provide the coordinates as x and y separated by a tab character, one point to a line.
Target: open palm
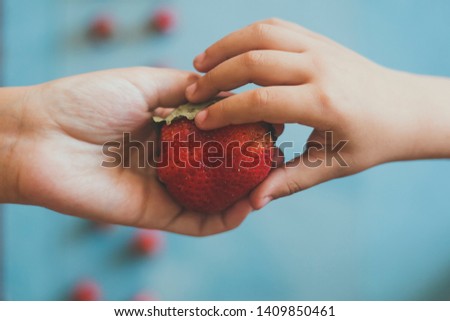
68	121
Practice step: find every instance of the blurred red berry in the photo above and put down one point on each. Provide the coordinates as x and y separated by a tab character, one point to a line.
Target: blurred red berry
147	242
87	290
164	20
144	296
103	27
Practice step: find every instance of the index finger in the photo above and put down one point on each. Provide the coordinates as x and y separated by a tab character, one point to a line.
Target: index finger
276	105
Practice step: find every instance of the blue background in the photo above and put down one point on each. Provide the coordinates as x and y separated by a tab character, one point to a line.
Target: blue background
381	235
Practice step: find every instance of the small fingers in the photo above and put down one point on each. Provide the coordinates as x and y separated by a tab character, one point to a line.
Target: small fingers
276	105
258	36
199	224
295	28
262	67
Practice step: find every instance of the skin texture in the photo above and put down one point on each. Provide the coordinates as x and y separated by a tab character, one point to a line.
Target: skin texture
307	79
52	137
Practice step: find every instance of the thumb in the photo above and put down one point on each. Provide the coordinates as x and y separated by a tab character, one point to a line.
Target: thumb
294	176
162	87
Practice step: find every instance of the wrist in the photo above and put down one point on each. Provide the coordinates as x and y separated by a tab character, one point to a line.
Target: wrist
434	101
12	102
424	124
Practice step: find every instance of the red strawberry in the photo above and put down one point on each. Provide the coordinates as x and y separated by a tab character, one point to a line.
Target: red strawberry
207	171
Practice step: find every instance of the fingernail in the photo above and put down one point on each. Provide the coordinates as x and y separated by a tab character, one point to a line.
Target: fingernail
190	90
199	59
201	116
266	200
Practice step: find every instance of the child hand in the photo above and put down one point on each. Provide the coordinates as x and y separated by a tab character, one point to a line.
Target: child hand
375	114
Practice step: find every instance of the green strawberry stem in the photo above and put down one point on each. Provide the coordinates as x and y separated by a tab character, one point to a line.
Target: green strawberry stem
188	111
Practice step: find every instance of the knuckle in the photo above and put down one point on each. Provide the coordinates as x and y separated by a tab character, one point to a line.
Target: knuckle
253	58
292	187
221	113
209	52
273	21
328	107
261	98
221	109
317	59
261	31
208	80
324	97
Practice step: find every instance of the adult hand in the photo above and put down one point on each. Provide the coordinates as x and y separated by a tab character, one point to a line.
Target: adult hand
54	152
